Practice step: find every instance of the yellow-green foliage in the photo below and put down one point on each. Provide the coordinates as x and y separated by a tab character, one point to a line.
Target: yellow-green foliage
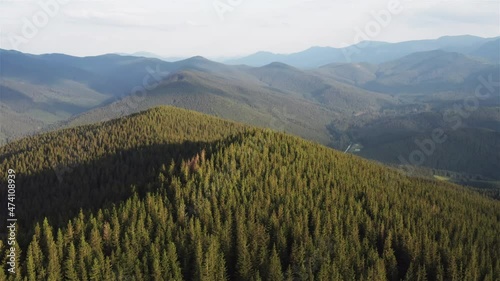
170	194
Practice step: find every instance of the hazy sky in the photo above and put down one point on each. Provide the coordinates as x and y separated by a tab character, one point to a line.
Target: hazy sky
213	28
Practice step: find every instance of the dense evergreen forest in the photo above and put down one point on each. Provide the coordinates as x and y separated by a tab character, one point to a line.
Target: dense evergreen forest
170	194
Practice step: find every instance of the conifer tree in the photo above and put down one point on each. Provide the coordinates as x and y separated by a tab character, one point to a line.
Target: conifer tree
275	272
70	264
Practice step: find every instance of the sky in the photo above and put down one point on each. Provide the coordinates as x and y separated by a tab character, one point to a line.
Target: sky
232	28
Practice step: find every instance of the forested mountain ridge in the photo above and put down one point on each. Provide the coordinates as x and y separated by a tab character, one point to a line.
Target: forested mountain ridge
170	194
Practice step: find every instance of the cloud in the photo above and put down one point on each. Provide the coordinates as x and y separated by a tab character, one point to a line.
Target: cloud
193	27
477	13
109	17
121	19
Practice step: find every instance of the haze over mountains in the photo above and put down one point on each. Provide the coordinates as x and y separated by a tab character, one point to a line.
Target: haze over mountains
378	52
377	103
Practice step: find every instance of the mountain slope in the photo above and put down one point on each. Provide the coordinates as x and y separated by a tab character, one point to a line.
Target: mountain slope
173	194
489	51
427	72
276	96
242	101
351	73
432	71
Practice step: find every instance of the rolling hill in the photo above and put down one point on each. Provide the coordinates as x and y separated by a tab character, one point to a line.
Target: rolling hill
170	194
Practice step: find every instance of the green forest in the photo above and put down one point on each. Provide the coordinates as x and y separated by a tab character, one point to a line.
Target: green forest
170	194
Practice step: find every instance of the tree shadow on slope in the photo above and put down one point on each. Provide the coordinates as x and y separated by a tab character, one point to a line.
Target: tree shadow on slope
60	193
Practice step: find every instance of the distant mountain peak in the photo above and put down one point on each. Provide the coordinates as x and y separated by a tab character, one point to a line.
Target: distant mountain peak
278	65
196	61
264	53
197	58
319	48
458	36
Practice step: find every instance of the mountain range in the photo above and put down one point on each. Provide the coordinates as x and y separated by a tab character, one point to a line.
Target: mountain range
378	52
378	108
